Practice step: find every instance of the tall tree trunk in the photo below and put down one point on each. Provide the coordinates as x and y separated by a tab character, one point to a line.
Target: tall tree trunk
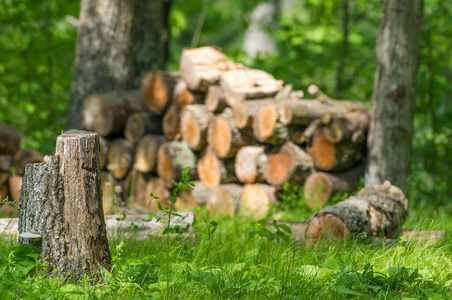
393	99
118	42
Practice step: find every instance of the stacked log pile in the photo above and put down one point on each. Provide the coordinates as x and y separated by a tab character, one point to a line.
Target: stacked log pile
242	132
12	166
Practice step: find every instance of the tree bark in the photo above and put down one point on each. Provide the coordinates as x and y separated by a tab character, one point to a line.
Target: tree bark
117	43
61	201
393	99
375	210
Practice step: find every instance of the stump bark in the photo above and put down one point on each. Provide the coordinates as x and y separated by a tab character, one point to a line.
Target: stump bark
61	204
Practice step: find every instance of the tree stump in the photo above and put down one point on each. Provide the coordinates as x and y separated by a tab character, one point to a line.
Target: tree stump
61	207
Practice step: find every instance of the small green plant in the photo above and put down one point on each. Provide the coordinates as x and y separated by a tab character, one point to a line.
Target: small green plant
281	232
184	183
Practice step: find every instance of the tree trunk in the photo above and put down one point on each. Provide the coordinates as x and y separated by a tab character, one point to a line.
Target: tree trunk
172	158
319	187
9	139
117	43
195	121
157	88
120	158
61	204
375	210
24	157
146	152
142	123
393	99
290	164
107	114
250	164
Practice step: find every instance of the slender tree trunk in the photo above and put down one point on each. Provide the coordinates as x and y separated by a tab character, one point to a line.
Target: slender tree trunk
118	42
393	100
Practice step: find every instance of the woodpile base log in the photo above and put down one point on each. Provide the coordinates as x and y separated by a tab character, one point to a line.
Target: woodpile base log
61	208
255	200
376	210
223	200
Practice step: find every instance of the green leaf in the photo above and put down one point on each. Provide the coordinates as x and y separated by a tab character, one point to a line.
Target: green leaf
285	228
168	230
108	277
173	199
346	291
160	206
176	184
25	256
252	233
72	292
191	183
185	172
267	234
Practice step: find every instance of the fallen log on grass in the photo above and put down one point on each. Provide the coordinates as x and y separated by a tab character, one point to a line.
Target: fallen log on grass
375	210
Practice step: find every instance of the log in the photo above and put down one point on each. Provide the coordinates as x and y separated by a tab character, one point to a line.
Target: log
375	210
201	193
146	152
303	112
103	151
6	162
157	186
215	101
4	178
139	124
157	89
241	84
212	171
171	122
290	164
186	201
202	67
224	138
223	200
120	158
24	157
135	191
250	164
61	206
10	139
14	185
6	209
328	156
315	91
109	196
172	158
107	114
320	187
352	126
195	121
255	200
183	96
4	192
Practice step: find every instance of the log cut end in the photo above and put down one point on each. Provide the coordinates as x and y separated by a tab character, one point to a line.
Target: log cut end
98	115
326	226
220	136
182	96
285	114
135	128
171	122
322	151
264	122
157	88
240	115
249	163
277	168
209	169
146	153
165	165
317	190
256	199
120	157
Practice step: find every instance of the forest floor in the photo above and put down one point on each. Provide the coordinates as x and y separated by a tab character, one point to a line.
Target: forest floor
241	259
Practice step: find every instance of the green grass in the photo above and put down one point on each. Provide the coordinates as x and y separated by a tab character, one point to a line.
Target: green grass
233	264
